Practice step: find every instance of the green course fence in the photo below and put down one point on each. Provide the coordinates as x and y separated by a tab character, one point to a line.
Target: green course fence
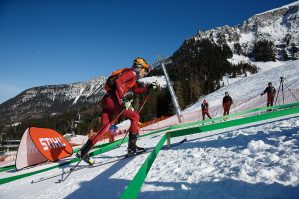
135	185
176	130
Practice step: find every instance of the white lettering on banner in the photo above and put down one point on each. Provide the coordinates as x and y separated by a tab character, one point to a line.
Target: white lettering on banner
43	143
51	143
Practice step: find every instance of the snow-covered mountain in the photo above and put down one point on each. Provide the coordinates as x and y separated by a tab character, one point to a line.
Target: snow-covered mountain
281	26
45	100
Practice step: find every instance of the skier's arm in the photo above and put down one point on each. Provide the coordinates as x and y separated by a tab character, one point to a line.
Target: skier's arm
265	91
139	90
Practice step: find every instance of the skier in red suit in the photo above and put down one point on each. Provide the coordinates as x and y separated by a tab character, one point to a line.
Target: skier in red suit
205	109
118	100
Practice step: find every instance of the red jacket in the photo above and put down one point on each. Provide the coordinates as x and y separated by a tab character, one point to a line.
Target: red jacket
126	82
204	107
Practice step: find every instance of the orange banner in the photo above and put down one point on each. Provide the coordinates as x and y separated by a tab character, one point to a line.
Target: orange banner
50	143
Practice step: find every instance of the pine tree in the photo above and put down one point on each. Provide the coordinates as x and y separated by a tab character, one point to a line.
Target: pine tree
237	48
294	51
264	51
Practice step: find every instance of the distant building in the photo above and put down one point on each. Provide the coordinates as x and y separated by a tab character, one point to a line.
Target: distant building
9	146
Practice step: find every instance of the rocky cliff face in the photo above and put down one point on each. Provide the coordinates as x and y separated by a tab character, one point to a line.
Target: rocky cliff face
280	26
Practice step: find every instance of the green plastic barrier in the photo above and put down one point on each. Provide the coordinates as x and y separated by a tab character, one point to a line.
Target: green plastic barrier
6	168
176	129
135	185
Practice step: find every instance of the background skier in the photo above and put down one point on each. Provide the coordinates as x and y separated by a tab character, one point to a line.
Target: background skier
205	109
226	103
270	90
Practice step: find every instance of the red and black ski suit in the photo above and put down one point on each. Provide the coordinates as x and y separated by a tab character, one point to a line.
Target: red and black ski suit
112	104
205	110
270	90
226	103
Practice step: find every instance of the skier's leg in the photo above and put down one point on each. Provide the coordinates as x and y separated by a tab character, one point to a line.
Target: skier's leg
133	131
107	117
209	115
271	100
132	147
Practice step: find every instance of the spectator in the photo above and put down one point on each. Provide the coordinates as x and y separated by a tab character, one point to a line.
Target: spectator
270	90
227	102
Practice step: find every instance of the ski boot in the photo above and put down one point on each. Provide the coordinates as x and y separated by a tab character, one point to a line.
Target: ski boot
133	149
131	152
86	159
141	149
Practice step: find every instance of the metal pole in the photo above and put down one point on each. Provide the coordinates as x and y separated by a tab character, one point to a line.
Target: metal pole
161	62
173	97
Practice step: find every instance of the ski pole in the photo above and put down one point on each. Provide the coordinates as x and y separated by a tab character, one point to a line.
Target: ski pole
101	132
90	144
123	139
147	97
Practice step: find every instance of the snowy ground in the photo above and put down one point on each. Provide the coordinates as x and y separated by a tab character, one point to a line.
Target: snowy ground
257	161
254	162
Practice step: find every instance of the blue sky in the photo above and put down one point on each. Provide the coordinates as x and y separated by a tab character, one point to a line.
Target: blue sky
45	42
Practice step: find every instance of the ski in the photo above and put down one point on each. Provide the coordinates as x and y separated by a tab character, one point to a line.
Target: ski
151	149
76	169
70	171
138	152
118	158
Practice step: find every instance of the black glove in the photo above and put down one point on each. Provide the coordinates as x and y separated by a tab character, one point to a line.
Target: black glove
153	86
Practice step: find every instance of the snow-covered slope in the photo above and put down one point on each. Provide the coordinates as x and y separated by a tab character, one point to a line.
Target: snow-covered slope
257	161
253	161
252	86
